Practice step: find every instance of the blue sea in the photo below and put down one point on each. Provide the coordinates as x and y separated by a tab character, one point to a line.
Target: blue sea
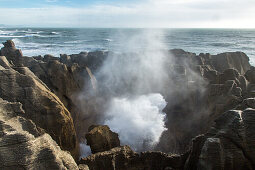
55	41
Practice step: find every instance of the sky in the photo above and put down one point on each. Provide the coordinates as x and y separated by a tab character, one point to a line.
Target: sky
129	13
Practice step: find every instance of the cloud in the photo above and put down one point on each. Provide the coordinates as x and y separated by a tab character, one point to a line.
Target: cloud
143	13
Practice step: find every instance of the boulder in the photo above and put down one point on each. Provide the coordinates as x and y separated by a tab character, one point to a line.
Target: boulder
23	145
100	138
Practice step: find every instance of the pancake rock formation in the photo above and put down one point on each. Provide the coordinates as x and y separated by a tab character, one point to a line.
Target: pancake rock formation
48	104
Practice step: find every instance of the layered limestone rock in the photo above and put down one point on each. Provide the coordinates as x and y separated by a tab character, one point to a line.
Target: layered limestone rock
205	86
237	60
41	105
67	81
23	145
229	144
123	158
100	138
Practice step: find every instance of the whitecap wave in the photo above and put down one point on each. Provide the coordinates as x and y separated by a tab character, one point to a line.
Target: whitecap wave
109	40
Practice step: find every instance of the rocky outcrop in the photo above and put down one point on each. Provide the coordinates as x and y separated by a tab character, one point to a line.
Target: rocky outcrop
123	158
93	60
41	106
67	81
205	86
219	62
237	60
47	89
229	144
23	145
12	53
100	138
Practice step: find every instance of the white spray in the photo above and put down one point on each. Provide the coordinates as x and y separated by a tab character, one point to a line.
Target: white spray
139	120
131	82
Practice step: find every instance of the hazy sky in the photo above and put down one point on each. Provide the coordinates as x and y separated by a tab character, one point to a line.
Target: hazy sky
129	13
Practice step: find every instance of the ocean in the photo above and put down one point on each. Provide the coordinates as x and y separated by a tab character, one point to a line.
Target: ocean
55	41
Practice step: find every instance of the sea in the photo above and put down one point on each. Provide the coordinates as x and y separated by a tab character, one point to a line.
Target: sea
56	41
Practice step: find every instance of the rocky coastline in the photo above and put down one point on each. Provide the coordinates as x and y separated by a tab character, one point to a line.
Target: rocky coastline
41	122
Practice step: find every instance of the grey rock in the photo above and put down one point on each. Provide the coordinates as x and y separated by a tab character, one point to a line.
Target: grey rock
236	60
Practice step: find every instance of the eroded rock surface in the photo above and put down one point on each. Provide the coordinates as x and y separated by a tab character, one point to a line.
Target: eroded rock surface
100	138
47	88
41	105
123	158
23	145
229	144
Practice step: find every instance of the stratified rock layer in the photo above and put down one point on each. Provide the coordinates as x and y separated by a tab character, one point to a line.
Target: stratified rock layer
47	88
24	146
229	144
123	158
39	103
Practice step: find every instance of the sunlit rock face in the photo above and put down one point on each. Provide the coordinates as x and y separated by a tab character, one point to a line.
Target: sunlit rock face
23	145
101	138
42	106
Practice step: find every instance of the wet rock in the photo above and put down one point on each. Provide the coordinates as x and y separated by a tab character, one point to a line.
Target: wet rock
100	138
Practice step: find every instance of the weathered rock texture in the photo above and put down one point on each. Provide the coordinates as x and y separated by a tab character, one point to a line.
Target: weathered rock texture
48	90
123	158
25	146
101	138
229	144
40	104
205	87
